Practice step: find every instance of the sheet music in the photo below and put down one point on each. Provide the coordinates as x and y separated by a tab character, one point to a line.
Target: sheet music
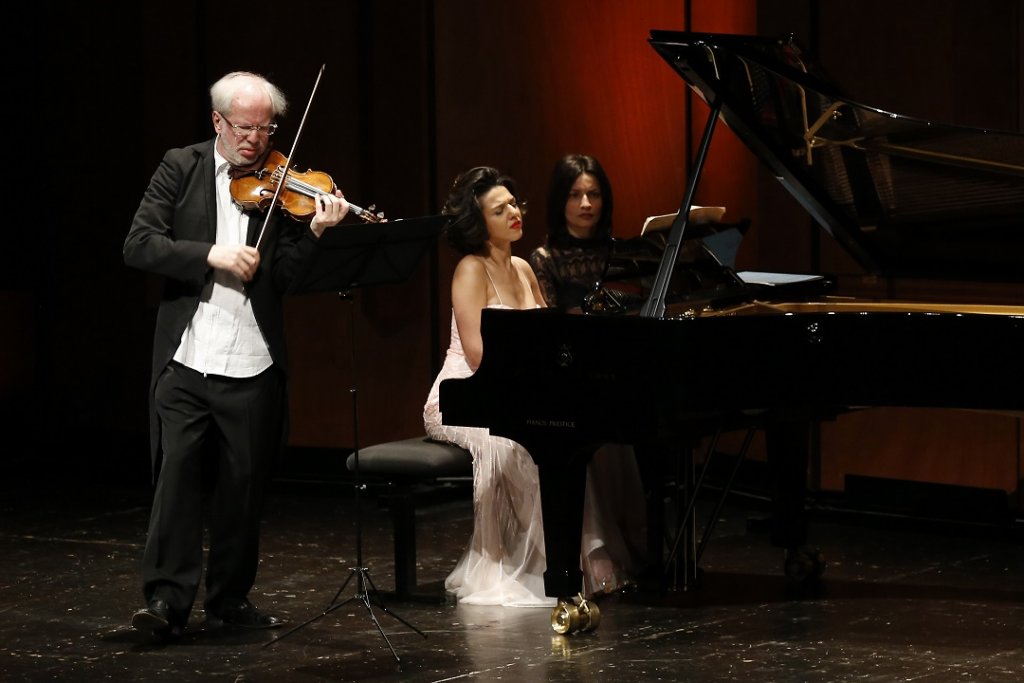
772	279
698	215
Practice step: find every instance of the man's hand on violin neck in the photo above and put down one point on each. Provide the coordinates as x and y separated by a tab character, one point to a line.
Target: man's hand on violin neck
238	259
330	210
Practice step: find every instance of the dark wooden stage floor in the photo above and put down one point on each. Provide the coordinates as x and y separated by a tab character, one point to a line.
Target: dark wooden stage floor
900	602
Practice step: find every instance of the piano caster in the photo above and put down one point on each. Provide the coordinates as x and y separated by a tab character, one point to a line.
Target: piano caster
804	564
575	615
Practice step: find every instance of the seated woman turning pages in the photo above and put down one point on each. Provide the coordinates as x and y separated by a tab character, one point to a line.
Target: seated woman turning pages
504	562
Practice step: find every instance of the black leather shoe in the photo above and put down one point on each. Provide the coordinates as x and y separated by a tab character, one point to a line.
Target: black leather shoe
156	618
243	615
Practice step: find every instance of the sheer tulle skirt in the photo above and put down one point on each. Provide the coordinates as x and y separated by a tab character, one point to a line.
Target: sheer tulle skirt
504	561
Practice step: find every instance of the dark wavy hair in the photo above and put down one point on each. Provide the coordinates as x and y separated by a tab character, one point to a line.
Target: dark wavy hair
565	173
467	228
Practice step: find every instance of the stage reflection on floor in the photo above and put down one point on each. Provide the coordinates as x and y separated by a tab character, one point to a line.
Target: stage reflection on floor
899	601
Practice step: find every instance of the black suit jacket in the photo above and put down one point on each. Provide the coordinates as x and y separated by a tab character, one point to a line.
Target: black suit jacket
171	235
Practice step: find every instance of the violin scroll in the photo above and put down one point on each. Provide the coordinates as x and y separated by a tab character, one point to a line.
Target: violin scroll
369	214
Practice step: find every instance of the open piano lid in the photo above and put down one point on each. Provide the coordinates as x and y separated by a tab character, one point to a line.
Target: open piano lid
905	197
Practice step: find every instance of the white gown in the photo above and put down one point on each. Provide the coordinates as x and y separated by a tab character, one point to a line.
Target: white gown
504	562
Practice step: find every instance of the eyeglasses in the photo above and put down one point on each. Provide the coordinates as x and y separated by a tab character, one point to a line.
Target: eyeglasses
243	131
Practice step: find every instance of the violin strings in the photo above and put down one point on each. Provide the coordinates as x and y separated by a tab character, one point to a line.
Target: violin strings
312	191
298	185
309	190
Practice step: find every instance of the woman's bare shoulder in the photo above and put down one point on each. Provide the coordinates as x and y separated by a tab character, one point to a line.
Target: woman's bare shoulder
524	267
470	264
521	263
469	270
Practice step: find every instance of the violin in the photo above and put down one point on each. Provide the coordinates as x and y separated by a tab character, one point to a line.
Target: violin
255	190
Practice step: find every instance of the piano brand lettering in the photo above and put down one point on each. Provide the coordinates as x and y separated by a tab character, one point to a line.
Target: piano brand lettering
541	422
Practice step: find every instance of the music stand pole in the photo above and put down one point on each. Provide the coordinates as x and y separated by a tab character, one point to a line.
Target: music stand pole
365	591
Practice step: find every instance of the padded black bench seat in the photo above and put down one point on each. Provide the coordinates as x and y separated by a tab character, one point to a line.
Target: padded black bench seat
403	466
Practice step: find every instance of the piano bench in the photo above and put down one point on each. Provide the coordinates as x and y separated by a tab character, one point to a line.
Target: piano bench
405	467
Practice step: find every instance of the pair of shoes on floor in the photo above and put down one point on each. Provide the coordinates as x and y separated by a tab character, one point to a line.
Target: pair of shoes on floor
156	618
243	614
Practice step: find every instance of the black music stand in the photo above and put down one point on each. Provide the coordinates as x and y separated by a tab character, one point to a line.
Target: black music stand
357	255
347	257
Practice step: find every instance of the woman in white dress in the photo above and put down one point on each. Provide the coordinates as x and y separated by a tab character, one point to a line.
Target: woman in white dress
504	562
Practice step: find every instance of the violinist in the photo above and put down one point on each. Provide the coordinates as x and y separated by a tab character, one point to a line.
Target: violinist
218	406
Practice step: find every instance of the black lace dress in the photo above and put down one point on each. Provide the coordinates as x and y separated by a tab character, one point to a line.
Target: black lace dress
569	271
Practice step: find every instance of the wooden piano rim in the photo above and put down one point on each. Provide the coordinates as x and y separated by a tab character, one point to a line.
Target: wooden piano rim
850	306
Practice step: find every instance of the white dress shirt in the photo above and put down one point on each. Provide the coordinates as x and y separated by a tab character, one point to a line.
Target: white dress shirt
223	337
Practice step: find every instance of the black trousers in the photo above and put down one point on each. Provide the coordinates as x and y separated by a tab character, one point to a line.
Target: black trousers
228	430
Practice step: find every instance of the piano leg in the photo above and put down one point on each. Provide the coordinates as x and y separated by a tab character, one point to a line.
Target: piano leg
788	448
668	474
787	444
563	481
660	474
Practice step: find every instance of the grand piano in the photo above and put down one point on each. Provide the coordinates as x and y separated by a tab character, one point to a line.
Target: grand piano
726	349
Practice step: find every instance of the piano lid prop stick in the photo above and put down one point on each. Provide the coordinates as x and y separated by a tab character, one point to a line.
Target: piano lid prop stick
654	307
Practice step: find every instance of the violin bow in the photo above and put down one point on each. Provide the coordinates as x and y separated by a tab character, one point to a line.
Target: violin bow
288	160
